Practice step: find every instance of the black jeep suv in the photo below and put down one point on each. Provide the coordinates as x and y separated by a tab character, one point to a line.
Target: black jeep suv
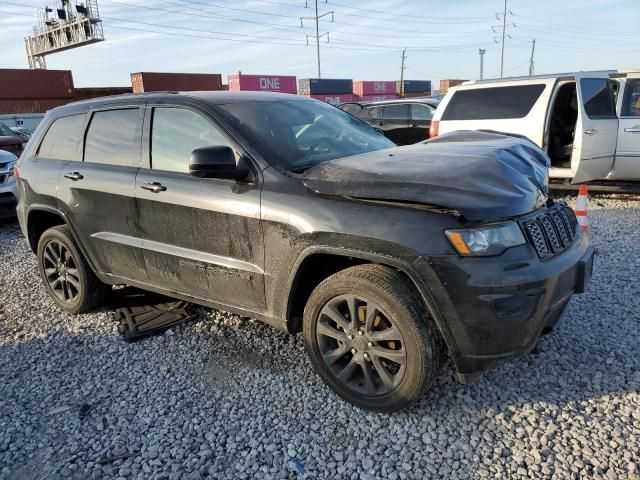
285	209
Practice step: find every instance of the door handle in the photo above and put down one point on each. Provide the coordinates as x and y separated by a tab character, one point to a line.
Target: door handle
75	176
154	187
590	131
635	129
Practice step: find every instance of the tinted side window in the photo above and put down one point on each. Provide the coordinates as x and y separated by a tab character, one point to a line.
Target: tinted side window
396	112
112	137
421	112
175	133
352	109
492	103
374	113
597	97
631	100
62	138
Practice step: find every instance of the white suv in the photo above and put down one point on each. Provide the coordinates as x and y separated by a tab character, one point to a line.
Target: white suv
588	122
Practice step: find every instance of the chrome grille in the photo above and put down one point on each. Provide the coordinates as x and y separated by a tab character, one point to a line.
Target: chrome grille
552	231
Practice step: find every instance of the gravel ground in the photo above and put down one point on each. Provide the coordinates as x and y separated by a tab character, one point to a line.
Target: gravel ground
227	397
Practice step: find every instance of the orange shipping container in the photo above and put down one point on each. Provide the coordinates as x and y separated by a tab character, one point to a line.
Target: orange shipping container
448	83
185	82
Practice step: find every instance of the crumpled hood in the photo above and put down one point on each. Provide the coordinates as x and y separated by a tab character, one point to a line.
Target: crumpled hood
482	175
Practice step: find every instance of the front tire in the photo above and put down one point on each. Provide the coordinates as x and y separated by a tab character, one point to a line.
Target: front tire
370	339
67	277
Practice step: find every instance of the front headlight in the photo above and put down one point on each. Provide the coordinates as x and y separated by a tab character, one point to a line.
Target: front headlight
487	240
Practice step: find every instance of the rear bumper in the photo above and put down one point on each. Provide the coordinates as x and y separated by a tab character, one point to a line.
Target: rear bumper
8	201
495	309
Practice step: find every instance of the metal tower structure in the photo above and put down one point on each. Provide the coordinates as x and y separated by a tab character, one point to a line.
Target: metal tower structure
69	26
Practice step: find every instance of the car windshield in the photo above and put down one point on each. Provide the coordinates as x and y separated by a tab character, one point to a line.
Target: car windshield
298	134
6	131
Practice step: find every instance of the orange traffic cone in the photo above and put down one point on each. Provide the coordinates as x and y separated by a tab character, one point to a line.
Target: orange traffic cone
582	208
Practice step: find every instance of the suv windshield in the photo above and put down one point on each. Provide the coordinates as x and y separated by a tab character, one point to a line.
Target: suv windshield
298	134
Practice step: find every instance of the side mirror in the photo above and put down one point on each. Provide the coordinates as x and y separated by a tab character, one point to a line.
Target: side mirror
217	161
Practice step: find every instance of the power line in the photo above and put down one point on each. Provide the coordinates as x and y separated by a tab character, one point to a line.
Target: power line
424	17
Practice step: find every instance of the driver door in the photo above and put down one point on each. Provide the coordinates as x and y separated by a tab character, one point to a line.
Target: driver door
596	134
201	237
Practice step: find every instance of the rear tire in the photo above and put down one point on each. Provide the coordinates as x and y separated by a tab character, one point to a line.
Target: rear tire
66	275
370	338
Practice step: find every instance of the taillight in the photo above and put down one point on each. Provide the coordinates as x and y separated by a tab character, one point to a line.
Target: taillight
433	128
15	172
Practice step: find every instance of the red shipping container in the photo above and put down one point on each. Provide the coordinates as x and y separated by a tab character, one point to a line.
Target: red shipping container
263	83
22	83
335	99
186	82
40	105
362	88
375	98
96	92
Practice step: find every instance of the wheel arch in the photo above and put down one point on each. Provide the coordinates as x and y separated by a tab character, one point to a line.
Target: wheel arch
42	217
299	290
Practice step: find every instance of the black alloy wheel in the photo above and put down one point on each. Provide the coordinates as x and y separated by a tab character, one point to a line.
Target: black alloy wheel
67	277
371	339
361	345
61	271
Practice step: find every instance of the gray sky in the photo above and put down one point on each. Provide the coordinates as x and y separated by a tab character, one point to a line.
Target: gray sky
366	39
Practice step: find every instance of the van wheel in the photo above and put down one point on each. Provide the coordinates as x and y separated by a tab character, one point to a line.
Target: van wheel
67	277
370	338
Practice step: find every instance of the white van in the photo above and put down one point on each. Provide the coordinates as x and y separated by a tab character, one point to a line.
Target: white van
588	122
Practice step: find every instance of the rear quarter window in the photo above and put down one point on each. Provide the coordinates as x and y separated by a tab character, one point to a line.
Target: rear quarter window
62	138
493	103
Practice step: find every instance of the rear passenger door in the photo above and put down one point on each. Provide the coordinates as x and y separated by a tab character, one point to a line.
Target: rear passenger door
421	115
627	164
97	193
594	145
201	236
60	146
395	123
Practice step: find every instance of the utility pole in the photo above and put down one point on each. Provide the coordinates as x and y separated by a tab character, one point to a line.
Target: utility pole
404	51
482	51
504	31
531	62
504	35
317	36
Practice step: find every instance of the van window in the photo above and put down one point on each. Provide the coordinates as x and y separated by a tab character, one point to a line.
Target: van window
62	138
631	100
375	113
175	133
112	137
420	112
397	112
493	103
597	97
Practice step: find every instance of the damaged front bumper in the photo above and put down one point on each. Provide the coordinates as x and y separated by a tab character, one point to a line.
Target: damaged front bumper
495	309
